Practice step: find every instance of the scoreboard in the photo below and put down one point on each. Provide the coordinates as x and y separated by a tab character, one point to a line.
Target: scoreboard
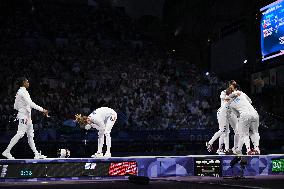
272	30
208	167
68	169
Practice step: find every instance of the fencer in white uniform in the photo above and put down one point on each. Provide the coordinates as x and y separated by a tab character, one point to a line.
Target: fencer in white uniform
248	121
234	123
103	120
222	122
225	118
24	105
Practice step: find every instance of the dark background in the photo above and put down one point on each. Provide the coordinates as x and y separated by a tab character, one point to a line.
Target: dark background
147	60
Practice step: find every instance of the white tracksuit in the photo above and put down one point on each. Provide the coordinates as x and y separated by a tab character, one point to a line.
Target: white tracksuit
103	120
23	104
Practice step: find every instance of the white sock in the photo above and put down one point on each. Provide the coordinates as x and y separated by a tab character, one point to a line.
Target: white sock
226	141
13	141
255	140
247	142
32	144
240	143
236	140
221	141
215	136
108	142
100	144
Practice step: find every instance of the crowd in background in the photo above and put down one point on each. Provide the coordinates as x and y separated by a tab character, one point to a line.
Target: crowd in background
79	58
84	58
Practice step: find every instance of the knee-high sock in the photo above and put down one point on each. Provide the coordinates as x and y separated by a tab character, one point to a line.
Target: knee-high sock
226	141
240	144
100	144
215	136
247	142
243	139
108	142
236	141
221	141
32	144
101	139
255	140
14	141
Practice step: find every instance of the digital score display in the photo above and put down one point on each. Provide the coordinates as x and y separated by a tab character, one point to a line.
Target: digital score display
272	30
68	169
207	167
277	165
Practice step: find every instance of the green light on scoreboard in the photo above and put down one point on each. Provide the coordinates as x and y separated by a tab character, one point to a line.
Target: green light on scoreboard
277	165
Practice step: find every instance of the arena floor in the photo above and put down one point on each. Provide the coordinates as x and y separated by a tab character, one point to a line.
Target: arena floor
192	182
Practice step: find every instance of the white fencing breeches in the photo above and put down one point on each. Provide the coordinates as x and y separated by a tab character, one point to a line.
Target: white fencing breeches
24	126
105	132
223	126
244	127
233	121
254	131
